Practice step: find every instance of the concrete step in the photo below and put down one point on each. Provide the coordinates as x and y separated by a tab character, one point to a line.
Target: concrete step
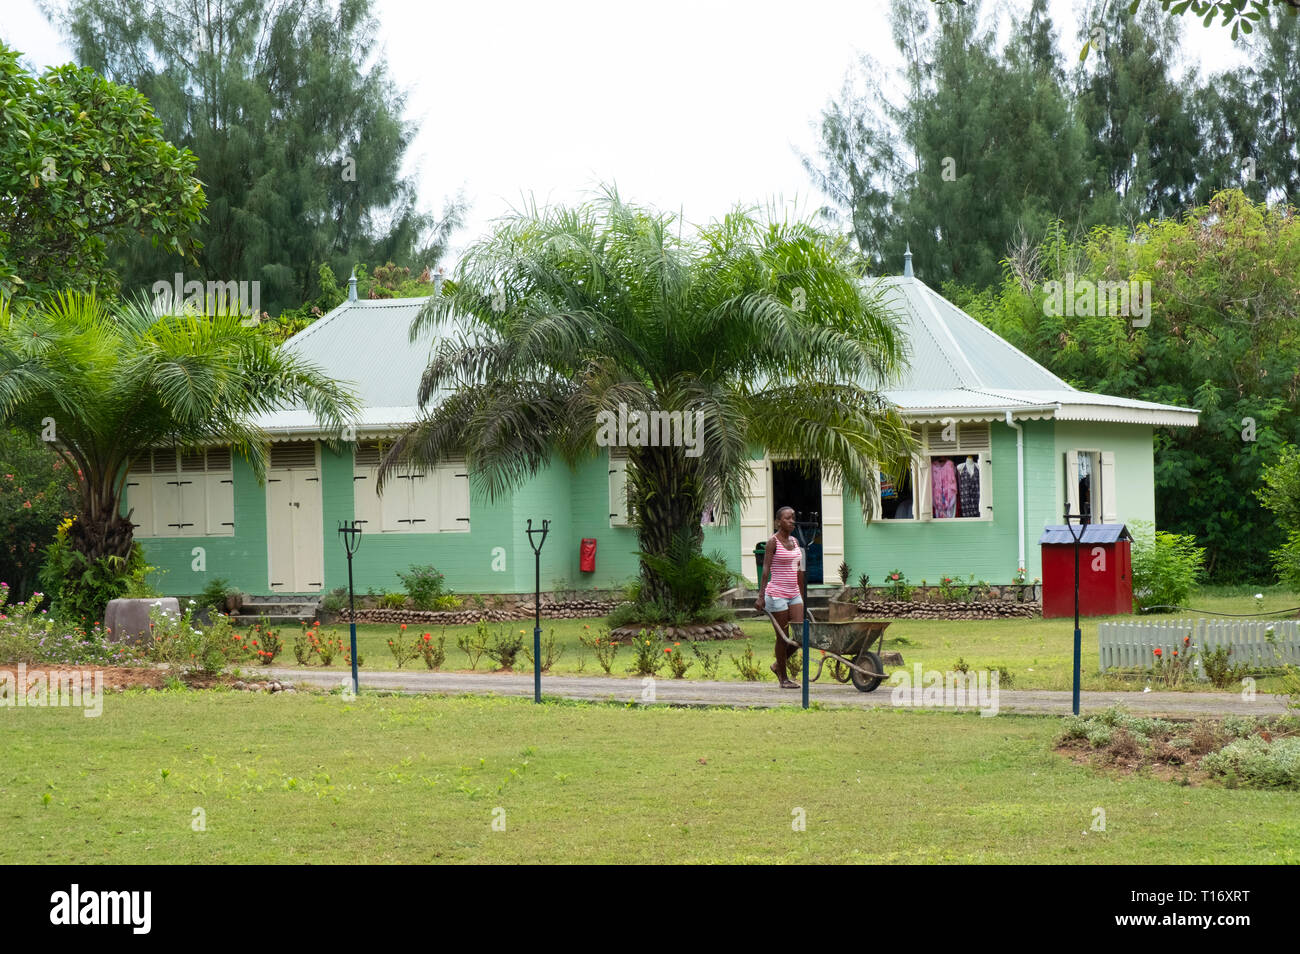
278	609
290	622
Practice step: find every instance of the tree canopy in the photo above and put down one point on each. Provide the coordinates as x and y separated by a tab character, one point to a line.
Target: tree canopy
84	166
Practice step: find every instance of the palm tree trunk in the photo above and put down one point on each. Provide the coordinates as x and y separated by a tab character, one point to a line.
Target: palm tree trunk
665	492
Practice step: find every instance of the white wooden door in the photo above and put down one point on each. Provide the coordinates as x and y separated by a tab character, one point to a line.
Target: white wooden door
832	528
755	514
295	535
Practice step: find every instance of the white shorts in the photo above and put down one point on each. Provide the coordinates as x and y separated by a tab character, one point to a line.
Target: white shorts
776	604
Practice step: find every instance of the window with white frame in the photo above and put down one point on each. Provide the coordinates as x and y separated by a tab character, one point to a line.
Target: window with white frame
1090	485
415	499
182	494
621	511
950	477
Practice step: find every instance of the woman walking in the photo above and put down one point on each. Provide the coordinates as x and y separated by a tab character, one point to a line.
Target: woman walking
782	588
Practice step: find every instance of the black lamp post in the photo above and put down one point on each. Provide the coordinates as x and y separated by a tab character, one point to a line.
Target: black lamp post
1078	638
351	534
805	532
537	605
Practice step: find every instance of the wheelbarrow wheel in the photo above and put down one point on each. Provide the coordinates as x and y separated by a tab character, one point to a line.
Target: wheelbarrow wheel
861	681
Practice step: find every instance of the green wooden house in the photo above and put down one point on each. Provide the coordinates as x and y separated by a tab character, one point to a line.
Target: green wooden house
1004	445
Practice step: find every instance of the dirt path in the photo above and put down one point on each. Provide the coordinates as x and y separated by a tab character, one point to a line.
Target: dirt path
699	693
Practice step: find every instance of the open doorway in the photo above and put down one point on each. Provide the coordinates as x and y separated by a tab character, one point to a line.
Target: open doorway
798	484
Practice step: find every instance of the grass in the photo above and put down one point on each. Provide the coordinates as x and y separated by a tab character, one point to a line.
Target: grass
1038	652
383	779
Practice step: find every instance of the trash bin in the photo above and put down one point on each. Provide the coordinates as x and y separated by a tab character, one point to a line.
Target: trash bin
1105	570
587	555
760	554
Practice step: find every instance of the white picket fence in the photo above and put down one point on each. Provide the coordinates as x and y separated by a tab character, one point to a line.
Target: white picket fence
1255	642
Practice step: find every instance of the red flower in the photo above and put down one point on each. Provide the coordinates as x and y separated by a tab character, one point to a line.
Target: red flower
1157	652
1186	640
428	638
403	626
1175	652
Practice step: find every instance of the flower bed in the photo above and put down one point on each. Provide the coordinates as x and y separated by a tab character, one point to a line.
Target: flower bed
568	609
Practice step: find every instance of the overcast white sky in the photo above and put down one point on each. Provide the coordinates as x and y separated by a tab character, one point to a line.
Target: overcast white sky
688	105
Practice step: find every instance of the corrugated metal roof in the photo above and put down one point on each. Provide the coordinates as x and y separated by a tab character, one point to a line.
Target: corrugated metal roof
958	367
1092	533
949	349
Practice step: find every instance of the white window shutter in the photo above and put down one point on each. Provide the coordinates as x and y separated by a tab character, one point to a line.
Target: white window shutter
618	504
755	517
194	505
986	484
923	505
395	504
1072	481
220	515
832	526
166	495
367	508
139	500
453	497
424	500
1109	509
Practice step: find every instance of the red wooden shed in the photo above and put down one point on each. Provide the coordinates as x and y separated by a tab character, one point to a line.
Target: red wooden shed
1105	570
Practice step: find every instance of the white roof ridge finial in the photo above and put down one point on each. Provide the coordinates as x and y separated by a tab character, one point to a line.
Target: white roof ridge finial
352	286
907	261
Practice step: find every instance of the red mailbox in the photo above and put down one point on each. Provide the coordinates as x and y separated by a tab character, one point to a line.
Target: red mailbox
1105	570
587	555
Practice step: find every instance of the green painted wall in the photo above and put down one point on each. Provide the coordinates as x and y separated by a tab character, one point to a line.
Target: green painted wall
1133	446
240	559
577	502
929	550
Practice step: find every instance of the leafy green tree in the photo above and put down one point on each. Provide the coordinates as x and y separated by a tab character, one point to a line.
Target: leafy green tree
1280	493
37	492
995	151
1142	137
102	383
84	164
297	126
1224	337
760	328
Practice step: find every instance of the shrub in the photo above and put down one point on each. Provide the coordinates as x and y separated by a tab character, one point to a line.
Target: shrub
1258	762
898	588
1217	668
649	650
1172	667
392	601
175	640
424	584
694	581
952	589
80	589
335	601
677	661
265	644
845	573
550	652
505	649
1165	567
750	669
403	651
473	644
708	660
606	649
446	602
435	654
304	645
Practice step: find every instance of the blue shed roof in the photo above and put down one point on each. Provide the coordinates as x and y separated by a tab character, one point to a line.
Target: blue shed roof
1092	533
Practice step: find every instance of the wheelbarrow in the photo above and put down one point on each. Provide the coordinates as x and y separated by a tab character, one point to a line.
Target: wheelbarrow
847	646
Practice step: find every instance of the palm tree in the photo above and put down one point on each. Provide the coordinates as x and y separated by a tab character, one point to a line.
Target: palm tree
562	314
103	382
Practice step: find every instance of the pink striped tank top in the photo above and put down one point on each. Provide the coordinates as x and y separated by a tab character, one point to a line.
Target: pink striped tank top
784	581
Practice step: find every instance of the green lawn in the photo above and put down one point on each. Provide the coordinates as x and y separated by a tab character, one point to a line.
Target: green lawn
1039	653
313	778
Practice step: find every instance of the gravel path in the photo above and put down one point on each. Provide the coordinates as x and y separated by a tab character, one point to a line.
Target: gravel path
766	694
